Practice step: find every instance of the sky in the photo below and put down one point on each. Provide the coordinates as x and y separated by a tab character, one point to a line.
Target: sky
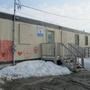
72	13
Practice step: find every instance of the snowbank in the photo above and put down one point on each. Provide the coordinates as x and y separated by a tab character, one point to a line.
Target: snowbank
86	63
33	68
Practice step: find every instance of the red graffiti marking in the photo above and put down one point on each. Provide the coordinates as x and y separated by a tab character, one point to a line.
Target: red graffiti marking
5	50
19	53
3	54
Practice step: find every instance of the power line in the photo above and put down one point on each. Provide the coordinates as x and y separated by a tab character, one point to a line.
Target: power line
43	20
22	5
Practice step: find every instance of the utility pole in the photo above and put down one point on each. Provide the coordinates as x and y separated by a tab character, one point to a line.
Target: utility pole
13	33
16	5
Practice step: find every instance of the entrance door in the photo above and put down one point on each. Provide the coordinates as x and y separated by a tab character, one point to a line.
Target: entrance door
50	37
50	46
77	39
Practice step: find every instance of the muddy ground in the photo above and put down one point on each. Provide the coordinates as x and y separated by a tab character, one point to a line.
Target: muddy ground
76	81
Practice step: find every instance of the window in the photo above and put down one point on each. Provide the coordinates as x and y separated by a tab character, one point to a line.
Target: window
50	37
86	40
77	39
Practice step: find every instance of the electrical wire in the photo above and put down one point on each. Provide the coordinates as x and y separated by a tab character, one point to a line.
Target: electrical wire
22	5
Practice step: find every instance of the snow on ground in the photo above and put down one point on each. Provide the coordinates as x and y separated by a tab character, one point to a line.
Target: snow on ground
86	63
33	68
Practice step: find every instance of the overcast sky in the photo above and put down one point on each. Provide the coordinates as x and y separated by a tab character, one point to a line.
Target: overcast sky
76	12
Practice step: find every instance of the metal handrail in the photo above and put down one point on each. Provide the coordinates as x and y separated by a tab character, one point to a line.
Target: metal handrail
68	49
64	55
46	44
82	56
75	49
74	57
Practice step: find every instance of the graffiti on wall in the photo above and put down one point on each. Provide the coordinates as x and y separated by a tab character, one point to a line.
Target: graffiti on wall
19	53
28	51
5	50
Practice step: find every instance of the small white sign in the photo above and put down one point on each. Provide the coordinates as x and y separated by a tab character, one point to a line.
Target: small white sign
40	31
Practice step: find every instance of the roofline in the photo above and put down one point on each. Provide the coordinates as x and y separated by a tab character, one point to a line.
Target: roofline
38	22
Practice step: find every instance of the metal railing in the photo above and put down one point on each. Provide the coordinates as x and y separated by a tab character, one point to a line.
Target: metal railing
48	50
59	51
78	51
68	57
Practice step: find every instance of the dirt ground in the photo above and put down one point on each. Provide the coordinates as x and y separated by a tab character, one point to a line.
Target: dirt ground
75	81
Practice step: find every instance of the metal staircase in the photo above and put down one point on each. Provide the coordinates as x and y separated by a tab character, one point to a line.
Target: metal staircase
69	58
67	54
78	51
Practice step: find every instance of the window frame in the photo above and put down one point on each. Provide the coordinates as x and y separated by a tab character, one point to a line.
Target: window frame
86	40
77	39
53	36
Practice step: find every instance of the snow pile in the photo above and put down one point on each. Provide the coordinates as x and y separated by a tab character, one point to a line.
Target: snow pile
33	68
86	63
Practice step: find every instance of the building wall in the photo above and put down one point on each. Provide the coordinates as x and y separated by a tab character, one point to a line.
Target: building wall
82	40
28	38
27	41
5	40
69	37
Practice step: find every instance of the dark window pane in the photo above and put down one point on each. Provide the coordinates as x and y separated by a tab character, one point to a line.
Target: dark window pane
86	40
77	39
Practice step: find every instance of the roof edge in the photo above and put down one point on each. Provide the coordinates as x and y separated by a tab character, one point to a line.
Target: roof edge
38	22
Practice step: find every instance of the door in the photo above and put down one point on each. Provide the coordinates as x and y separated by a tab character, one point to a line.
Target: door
50	37
77	39
51	45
